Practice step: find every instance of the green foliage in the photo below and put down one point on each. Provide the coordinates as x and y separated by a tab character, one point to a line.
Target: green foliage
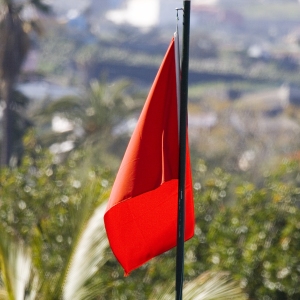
52	208
251	233
47	205
257	238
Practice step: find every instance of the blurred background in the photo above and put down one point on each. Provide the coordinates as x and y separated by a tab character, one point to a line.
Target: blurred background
74	77
244	80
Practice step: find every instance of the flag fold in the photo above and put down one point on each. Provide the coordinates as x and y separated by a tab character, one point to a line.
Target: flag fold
141	215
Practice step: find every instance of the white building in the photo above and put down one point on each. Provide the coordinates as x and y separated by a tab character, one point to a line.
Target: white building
149	13
139	13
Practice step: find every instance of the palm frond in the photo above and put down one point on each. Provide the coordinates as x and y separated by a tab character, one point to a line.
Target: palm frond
213	286
16	270
63	105
3	295
87	258
41	6
79	217
208	286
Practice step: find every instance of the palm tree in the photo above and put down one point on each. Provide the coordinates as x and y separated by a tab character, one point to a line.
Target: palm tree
94	113
96	110
14	46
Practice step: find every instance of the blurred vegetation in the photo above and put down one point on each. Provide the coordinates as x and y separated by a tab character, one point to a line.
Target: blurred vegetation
249	231
46	205
97	119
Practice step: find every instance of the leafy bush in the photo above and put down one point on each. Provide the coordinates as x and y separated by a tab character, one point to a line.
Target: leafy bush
256	238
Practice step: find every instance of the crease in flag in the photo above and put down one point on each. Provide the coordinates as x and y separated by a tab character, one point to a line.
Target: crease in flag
141	215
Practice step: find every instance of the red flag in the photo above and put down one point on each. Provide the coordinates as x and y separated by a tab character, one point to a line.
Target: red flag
141	216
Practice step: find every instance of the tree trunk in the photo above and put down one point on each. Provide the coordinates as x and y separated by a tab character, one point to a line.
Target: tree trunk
14	44
7	124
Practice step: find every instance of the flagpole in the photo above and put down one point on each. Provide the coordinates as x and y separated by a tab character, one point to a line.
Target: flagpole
182	148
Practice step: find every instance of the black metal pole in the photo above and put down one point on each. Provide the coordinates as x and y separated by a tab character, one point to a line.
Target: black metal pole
182	148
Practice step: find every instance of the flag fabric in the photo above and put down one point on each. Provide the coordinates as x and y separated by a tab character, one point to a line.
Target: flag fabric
141	215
